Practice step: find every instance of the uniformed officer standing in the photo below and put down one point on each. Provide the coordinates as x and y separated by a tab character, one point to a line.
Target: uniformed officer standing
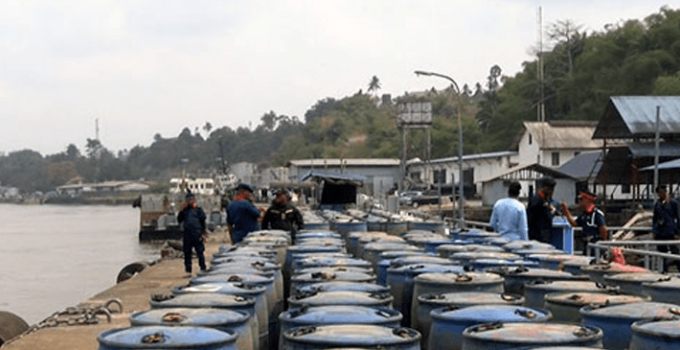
282	215
192	219
591	219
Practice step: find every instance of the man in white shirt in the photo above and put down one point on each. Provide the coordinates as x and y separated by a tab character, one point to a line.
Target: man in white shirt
509	216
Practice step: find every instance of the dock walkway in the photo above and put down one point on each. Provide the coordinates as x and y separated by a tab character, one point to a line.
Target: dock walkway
134	294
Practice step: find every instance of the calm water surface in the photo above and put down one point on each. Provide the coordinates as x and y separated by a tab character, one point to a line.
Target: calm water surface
52	257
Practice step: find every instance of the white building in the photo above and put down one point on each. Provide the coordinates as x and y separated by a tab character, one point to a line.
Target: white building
476	167
553	143
382	174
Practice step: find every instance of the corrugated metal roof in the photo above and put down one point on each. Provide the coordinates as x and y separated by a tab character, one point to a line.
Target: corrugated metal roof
666	149
563	135
346	161
531	169
635	117
353	178
673	164
470	157
582	165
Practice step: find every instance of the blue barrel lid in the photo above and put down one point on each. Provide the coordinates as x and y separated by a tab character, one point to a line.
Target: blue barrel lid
563	257
459	278
491	313
476	233
233	277
579	299
320	241
566	286
352	335
162	337
340	298
193	300
205	317
418	259
300	249
505	262
333	276
236	288
385	246
543	273
340	314
344	286
316	233
631	310
240	269
470	298
538	251
638	277
228	259
260	265
671	284
527	333
485	255
417	269
334	269
524	245
333	261
663	328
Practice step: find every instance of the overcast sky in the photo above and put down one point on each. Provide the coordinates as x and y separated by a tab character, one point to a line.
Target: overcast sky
144	67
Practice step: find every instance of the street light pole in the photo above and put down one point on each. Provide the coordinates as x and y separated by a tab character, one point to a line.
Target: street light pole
456	92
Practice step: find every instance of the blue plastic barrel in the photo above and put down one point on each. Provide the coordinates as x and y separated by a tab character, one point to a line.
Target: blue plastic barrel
343	286
432	226
596	272
631	283
655	334
565	306
555	261
467	258
372	251
535	291
301	280
266	316
354	237
421	320
520	335
482	264
448	323
313	299
347	336
333	269
220	319
615	320
456	282
664	291
345	227
344	314
304	234
515	278
168	338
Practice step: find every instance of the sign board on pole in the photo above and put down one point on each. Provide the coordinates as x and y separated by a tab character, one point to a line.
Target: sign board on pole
414	114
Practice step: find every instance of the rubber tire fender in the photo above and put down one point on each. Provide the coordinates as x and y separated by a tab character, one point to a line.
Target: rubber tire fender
130	270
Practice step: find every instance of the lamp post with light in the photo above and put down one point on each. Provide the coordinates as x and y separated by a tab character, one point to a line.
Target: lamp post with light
456	92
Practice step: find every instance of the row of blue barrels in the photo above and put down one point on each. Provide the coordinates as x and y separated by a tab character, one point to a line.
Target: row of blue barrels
228	307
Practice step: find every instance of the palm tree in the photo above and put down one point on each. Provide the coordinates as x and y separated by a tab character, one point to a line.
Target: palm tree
374	85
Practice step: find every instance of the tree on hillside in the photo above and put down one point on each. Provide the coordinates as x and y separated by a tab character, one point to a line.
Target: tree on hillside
374	85
207	127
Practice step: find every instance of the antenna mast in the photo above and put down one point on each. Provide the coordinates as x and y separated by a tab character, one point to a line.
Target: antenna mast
541	102
96	129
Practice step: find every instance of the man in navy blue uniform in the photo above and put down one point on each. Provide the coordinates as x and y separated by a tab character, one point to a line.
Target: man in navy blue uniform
540	211
591	219
666	222
242	214
192	219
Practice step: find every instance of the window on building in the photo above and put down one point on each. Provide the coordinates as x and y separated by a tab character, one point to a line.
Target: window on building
415	175
555	158
625	188
439	176
576	153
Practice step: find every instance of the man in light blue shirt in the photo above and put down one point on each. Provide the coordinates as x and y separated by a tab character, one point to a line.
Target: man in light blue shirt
509	216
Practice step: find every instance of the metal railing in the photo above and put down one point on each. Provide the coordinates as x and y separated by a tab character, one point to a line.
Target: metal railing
653	260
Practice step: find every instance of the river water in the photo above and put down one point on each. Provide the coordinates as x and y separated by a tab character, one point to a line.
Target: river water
53	256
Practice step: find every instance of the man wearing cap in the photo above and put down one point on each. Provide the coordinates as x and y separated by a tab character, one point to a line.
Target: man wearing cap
509	217
242	214
282	215
591	219
540	211
666	222
192	219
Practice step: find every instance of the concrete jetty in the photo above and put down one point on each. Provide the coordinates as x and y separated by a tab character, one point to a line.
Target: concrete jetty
134	294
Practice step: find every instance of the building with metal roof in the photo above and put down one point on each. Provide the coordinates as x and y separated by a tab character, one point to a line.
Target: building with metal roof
553	143
628	128
634	117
